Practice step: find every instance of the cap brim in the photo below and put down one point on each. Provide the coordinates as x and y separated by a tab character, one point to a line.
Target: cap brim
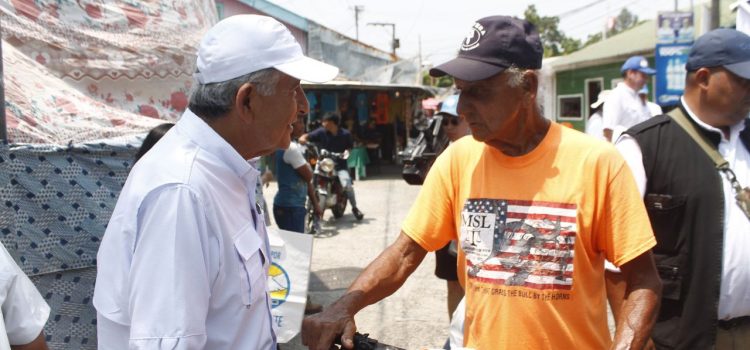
308	69
466	69
741	69
646	70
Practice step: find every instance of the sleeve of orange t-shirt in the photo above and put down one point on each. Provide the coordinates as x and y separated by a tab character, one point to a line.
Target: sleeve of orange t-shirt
431	219
622	229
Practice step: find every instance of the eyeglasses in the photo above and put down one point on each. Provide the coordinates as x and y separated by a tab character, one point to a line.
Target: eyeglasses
452	120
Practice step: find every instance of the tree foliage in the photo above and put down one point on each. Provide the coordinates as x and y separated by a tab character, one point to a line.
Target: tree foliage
624	21
555	42
444	81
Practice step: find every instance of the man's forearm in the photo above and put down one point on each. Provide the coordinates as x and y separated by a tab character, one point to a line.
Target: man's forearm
638	315
639	310
383	276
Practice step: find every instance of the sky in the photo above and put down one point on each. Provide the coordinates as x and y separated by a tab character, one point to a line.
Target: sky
440	25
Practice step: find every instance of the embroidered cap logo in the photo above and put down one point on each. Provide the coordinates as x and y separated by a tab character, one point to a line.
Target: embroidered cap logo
472	40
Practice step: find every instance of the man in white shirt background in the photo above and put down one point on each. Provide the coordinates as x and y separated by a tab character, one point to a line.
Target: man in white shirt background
703	234
653	108
594	124
623	107
183	263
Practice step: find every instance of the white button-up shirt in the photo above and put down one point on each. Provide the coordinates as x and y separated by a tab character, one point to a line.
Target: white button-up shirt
734	300
622	110
184	260
24	311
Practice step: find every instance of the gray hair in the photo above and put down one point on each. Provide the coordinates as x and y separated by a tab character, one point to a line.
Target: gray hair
216	99
515	79
515	76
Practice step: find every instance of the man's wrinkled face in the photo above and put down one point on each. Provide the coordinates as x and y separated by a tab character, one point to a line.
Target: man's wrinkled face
277	112
491	107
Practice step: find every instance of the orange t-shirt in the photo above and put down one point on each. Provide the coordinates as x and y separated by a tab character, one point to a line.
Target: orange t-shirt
533	233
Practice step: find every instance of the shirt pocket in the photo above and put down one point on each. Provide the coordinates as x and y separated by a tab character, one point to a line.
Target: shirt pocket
666	212
250	269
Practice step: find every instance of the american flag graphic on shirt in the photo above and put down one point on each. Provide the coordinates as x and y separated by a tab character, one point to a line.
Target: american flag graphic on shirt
519	243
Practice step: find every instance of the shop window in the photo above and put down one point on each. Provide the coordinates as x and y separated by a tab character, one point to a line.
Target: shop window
570	107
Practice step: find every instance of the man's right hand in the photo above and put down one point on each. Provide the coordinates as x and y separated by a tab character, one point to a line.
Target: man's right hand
319	331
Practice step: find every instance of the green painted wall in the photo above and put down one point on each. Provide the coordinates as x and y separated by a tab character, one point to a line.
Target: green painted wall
574	82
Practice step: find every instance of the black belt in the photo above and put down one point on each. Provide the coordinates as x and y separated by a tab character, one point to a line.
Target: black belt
734	322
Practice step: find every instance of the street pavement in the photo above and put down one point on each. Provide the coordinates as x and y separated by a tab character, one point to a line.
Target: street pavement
416	316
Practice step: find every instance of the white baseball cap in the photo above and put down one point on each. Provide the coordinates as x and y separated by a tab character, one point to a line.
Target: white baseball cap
243	44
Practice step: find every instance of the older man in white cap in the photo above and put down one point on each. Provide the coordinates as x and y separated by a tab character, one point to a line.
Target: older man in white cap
183	261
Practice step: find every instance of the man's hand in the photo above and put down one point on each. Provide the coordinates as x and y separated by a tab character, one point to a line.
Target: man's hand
320	330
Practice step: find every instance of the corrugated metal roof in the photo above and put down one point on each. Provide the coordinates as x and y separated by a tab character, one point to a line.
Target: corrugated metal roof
640	40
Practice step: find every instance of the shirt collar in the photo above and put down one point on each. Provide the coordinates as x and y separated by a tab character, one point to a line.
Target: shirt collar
734	130
627	88
207	139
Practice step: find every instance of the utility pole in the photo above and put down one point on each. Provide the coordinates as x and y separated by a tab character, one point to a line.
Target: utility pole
394	42
357	10
715	13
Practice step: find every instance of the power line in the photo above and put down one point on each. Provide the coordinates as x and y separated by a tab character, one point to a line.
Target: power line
586	21
577	9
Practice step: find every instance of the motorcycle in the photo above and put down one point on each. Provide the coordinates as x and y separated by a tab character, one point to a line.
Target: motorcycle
327	185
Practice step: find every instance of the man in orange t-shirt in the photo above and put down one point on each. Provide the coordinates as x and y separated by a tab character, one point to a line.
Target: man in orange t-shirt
535	207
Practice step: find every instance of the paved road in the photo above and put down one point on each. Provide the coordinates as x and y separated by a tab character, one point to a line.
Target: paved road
415	317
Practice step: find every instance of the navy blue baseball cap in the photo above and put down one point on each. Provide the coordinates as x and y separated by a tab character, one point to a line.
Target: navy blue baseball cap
721	47
494	44
638	63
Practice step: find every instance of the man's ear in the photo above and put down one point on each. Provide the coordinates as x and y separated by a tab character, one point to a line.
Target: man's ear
530	83
702	78
243	99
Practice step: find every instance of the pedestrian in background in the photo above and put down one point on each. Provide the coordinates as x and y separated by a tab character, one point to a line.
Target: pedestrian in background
623	107
653	108
594	124
330	136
